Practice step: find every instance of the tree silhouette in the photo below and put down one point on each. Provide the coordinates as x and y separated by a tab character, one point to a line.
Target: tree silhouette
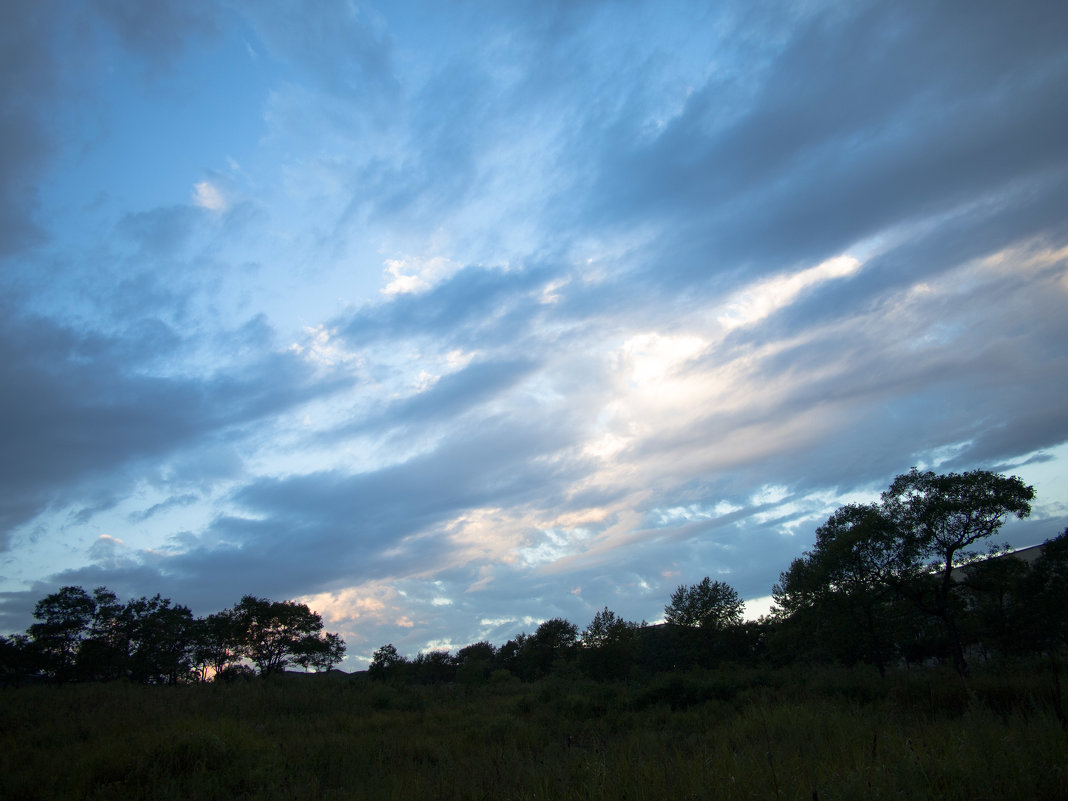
708	605
64	619
386	663
937	518
274	633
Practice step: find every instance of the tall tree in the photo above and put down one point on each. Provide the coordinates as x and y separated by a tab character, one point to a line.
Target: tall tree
104	653
938	518
274	633
217	643
386	663
554	641
608	645
474	662
708	605
162	640
1041	617
321	653
64	618
855	560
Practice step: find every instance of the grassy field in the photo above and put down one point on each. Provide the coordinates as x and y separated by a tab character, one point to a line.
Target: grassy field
732	734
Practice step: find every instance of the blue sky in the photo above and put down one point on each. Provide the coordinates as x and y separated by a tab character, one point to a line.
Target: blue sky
449	318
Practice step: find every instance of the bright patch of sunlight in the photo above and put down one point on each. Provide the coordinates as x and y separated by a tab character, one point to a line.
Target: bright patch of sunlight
411	275
650	358
755	607
760	300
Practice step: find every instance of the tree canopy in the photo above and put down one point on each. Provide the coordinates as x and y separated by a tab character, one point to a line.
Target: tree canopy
80	636
708	605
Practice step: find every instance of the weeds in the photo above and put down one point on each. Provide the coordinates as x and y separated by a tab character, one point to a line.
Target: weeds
723	735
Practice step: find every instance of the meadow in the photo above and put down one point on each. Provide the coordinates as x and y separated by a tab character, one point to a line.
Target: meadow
727	734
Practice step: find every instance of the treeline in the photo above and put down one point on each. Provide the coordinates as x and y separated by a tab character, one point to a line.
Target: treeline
900	581
895	582
609	648
82	636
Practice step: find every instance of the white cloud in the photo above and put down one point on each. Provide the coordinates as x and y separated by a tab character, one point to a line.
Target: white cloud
324	348
413	275
653	358
208	196
770	494
758	301
555	544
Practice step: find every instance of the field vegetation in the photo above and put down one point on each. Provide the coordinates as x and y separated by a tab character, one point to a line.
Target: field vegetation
731	733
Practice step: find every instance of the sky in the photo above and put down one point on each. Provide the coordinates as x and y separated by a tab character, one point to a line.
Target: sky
448	318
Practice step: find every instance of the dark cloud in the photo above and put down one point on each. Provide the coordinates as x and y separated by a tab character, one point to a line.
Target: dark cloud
174	502
866	120
475	305
48	50
450	398
27	73
157	32
495	460
161	231
77	406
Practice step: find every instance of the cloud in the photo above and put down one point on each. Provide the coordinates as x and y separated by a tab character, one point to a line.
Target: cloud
208	196
80	408
823	157
337	44
473	305
167	230
157	32
448	399
416	275
27	73
753	304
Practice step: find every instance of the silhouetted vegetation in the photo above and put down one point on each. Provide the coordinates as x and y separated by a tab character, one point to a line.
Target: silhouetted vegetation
81	636
732	733
897	663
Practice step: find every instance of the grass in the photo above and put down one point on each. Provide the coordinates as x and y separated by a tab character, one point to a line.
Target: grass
831	734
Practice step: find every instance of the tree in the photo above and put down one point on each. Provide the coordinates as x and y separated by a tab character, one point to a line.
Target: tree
162	640
552	642
104	653
854	562
216	643
707	605
433	667
510	656
16	659
64	618
386	663
992	590
321	653
1041	616
475	662
937	518
802	628
608	645
274	633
